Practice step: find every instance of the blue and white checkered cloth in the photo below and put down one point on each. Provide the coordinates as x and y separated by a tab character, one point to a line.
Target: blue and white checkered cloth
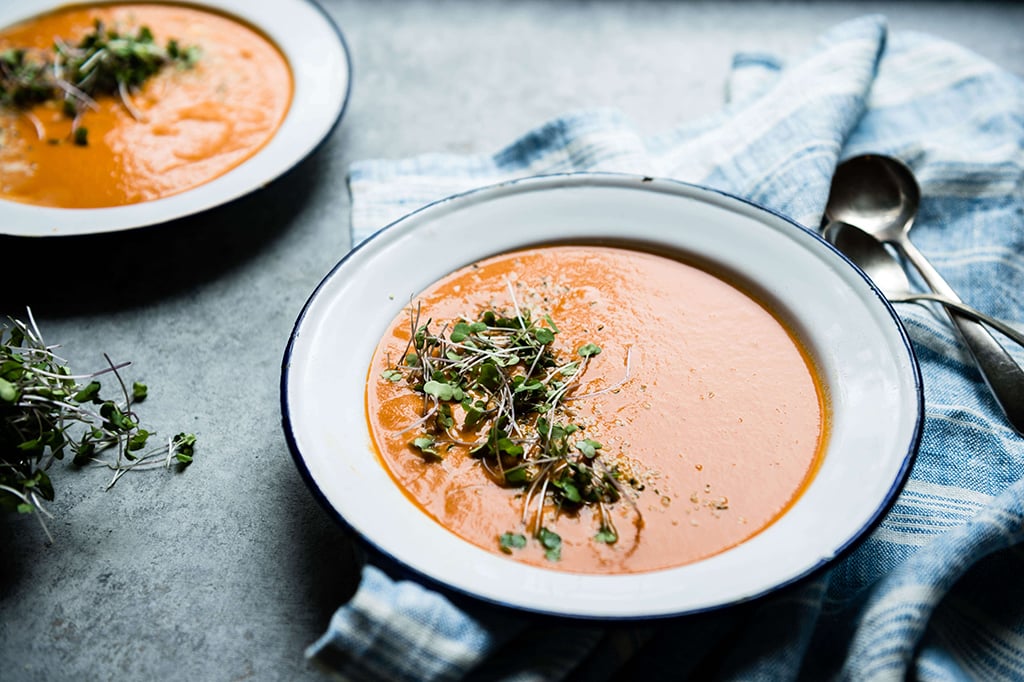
937	590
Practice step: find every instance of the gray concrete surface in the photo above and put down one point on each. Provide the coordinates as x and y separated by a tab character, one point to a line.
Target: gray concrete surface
228	571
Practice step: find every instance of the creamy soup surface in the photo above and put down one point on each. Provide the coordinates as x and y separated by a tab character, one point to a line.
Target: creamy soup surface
706	407
189	125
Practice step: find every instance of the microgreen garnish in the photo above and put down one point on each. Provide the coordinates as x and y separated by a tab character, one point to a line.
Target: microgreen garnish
425	444
552	543
499	380
47	411
391	375
510	541
103	62
23	82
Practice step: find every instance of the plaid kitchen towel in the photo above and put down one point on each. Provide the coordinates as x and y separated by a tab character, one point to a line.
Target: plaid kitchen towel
936	591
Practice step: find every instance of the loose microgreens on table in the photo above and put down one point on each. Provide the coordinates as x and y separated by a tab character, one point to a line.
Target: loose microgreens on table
47	411
499	377
103	62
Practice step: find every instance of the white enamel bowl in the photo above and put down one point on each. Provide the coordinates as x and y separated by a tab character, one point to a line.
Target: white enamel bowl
869	370
321	71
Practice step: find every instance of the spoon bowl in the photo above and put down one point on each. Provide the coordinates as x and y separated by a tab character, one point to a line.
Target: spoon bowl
871	256
881	266
878	194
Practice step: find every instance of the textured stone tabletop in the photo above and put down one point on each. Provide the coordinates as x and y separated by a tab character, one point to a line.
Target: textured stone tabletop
229	570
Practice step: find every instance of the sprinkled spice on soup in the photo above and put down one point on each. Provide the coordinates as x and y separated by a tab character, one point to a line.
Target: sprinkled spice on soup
112	104
595	409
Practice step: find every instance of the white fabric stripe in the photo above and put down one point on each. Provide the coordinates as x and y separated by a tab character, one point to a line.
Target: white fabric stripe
398	624
985	426
956	504
964	258
892	620
925	70
945	496
929	671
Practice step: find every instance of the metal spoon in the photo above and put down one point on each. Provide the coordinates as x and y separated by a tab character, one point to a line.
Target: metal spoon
871	256
880	195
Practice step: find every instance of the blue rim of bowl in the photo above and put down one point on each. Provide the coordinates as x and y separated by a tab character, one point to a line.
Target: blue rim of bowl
397	566
257	186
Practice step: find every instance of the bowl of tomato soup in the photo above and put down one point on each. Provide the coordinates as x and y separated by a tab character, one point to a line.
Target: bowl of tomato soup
121	114
626	397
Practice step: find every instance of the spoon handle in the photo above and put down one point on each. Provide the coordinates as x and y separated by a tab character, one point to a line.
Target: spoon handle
1004	376
967	311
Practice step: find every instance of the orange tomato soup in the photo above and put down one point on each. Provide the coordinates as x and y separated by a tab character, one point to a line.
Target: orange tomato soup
194	124
706	406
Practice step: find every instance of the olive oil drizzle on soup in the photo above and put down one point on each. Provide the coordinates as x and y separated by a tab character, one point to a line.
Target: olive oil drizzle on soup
707	409
190	125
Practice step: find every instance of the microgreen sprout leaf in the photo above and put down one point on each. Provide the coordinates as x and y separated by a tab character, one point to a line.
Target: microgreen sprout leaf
183	446
137	441
510	541
516	476
544	335
393	375
139	391
588	447
425	444
443	391
552	543
460	332
569	490
589	350
8	393
89	393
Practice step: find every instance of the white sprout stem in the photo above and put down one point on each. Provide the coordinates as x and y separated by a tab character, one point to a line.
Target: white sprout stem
84	413
33	500
542	481
126	99
32	328
89	63
117	375
36	123
539	519
515	304
422	420
80	95
76	377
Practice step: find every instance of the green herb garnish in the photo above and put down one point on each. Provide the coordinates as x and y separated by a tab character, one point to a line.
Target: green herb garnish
510	541
103	62
607	535
23	82
552	543
46	411
499	377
